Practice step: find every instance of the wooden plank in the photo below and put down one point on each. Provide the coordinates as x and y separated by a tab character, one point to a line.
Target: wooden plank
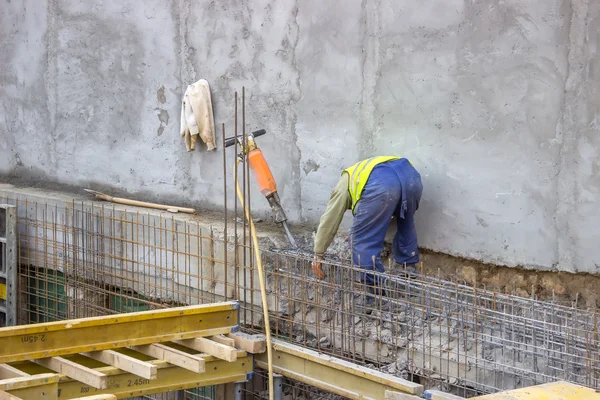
124	362
223	340
45	391
97	397
439	395
50	339
209	347
560	390
173	356
8	371
391	395
7	396
75	371
28	381
253	344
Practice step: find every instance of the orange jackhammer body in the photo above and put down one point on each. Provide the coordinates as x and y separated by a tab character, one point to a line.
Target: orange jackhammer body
262	172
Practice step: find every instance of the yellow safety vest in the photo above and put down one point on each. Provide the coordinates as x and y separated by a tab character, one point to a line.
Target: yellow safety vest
359	173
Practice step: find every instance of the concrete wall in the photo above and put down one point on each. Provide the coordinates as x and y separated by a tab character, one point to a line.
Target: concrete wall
496	103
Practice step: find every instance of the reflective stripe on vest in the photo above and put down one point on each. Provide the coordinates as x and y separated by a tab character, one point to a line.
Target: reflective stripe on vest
359	173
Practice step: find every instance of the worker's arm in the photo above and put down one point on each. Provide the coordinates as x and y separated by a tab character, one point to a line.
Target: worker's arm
339	202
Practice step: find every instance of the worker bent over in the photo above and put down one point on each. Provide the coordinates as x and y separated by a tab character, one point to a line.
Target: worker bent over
375	190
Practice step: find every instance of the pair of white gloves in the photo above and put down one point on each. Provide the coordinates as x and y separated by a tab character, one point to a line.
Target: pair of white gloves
197	116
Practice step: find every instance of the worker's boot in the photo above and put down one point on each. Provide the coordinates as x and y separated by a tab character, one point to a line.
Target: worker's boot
408	271
400	281
372	300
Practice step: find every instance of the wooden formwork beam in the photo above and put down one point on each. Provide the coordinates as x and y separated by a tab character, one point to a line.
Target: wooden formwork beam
123	384
7	396
124	362
173	356
547	391
122	330
439	395
223	340
253	344
140	364
210	347
335	375
76	371
37	387
8	371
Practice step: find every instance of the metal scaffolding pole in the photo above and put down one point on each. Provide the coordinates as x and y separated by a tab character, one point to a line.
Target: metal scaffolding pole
8	265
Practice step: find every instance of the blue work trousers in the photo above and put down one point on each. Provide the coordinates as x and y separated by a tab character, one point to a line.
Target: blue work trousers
394	189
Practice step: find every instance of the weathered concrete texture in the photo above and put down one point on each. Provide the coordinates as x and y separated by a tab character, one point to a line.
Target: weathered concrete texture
494	102
578	175
475	91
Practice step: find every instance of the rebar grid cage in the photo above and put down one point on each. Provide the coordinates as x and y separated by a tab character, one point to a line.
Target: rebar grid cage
442	334
89	259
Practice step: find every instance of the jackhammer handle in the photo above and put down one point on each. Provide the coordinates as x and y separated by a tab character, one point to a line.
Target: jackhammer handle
231	141
258	133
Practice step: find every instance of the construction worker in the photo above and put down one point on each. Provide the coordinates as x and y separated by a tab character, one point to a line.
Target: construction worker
376	190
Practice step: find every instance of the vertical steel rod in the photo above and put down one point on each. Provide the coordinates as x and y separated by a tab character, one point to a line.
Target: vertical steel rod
246	199
250	243
245	223
225	237
235	208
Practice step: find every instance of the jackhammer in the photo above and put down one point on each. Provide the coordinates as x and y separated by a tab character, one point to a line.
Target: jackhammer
250	152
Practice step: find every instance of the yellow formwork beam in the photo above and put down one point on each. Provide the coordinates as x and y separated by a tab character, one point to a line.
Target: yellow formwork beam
335	375
2	291
114	331
122	384
547	391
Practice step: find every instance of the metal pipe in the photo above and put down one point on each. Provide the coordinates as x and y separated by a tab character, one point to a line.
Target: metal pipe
239	390
277	387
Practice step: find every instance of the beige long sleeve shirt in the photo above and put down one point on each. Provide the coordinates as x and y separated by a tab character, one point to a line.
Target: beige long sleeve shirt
339	202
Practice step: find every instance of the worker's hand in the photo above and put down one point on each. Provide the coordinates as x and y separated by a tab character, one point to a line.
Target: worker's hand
317	267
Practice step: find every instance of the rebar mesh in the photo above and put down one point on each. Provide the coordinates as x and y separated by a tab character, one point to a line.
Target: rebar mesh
89	259
439	333
95	260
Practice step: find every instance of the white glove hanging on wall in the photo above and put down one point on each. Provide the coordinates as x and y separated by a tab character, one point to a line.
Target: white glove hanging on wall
197	116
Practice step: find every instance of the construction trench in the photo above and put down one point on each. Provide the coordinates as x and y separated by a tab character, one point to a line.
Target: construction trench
79	258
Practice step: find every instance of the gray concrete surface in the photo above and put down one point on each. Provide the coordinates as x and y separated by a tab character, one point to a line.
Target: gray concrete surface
496	103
